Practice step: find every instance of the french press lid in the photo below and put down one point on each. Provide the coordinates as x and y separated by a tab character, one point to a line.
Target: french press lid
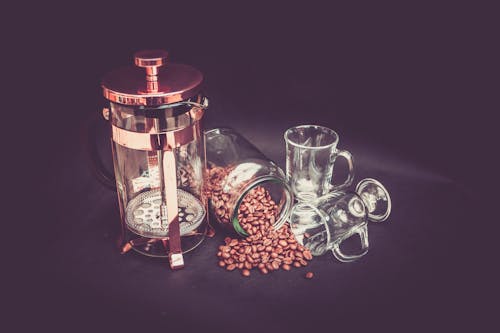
152	81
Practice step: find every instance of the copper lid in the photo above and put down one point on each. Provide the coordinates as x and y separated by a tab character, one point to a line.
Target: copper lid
152	81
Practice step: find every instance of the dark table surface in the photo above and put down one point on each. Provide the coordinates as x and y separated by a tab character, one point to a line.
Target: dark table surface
412	276
403	87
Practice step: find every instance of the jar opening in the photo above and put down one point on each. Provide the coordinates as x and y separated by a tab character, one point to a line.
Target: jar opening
280	193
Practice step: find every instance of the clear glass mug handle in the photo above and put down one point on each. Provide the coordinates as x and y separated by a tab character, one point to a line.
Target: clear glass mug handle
350	165
363	235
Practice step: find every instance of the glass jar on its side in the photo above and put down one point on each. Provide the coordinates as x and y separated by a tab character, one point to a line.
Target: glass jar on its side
236	168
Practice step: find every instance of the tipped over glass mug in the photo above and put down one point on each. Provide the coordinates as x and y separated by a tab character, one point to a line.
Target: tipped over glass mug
325	223
311	152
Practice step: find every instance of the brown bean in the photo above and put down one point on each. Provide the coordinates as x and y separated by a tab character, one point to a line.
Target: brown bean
231	267
222	263
296	264
275	265
264	270
248	265
307	254
245	272
286	267
309	275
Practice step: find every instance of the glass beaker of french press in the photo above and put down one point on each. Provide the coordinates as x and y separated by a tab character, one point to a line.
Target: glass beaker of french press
155	111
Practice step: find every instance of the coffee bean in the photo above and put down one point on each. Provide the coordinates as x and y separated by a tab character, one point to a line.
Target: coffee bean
309	275
286	267
222	263
245	272
307	254
264	270
296	264
231	267
248	265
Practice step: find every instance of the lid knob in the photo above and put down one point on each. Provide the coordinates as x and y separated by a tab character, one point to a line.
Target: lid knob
151	60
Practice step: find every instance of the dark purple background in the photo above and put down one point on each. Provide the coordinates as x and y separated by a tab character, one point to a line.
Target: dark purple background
407	88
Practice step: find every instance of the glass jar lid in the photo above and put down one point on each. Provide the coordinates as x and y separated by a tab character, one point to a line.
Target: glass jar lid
152	81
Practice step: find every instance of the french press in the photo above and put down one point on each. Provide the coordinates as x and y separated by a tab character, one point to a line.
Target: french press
155	111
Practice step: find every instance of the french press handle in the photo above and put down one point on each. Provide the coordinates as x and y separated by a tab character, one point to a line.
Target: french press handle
94	161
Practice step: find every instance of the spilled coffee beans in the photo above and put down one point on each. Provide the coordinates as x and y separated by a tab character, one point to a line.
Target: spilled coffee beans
265	248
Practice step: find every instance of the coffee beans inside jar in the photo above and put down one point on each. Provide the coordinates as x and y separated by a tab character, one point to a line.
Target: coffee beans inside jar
264	248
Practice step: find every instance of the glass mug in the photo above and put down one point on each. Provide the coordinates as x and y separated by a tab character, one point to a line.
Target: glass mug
311	152
325	223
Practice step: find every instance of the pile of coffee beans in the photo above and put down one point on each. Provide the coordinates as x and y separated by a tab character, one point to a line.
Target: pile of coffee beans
265	248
